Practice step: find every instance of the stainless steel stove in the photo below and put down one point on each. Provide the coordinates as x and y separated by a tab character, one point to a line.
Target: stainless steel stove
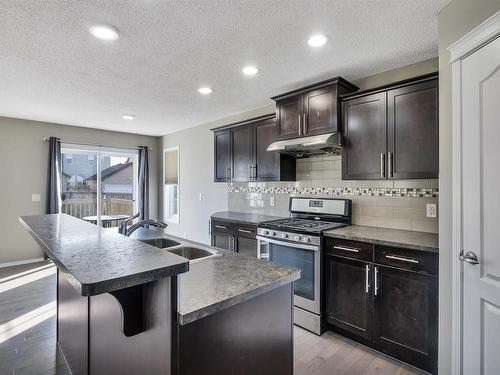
296	242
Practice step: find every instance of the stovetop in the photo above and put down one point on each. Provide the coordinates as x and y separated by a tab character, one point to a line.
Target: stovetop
301	225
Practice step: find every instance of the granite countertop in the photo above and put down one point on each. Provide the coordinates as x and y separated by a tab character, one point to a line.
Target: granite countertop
95	260
388	237
242	217
219	282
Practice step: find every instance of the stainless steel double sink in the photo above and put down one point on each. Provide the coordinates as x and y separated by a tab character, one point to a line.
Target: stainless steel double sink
192	253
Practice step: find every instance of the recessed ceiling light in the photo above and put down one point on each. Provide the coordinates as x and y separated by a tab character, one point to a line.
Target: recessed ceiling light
205	90
317	40
104	32
250	70
128	117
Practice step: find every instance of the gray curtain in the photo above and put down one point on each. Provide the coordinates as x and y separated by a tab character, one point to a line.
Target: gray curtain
54	177
143	189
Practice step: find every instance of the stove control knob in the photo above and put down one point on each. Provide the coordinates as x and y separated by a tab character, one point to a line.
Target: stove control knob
273	234
306	239
297	238
266	232
284	235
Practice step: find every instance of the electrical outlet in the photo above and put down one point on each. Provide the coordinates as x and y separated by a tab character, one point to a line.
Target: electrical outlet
200	197
272	201
431	210
35	197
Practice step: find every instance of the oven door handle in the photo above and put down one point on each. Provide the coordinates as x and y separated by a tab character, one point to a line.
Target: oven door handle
290	244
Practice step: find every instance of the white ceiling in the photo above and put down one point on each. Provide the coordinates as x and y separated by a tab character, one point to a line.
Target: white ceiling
52	69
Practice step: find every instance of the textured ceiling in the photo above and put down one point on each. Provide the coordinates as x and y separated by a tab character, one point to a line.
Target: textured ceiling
52	69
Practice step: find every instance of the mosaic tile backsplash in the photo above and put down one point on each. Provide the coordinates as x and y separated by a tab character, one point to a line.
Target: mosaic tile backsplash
399	204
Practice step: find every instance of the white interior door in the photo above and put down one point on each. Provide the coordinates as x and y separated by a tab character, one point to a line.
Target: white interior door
480	76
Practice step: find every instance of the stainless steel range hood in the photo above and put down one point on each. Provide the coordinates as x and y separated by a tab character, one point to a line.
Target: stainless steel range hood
307	146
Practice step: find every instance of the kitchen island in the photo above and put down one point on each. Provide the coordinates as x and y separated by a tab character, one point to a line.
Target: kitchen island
127	307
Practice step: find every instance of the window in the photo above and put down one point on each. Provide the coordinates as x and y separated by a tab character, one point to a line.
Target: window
171	184
99	184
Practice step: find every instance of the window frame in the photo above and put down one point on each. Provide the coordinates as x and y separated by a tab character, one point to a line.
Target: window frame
99	152
175	219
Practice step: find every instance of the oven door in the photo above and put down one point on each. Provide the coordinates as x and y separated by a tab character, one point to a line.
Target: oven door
301	256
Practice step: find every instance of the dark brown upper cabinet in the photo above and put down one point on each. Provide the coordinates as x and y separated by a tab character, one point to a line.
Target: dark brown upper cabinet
311	110
413	131
222	155
247	158
242	153
392	132
365	131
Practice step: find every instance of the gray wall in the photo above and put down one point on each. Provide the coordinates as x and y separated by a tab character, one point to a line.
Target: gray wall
23	167
454	21
196	158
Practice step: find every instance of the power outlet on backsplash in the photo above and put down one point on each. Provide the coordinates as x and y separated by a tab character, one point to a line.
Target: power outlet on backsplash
431	210
272	202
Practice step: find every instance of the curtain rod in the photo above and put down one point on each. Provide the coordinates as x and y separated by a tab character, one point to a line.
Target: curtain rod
96	145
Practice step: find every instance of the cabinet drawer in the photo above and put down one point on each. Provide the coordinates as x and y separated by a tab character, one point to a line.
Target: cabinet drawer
413	260
245	230
349	249
222	226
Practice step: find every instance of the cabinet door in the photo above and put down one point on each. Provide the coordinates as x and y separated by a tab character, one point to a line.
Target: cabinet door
365	131
267	163
349	302
289	117
413	131
405	316
246	246
222	145
222	240
320	111
242	153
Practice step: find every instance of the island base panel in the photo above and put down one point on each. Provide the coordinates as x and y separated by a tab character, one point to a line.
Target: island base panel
253	337
98	335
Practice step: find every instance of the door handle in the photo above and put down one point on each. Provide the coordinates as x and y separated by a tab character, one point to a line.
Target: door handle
376	281
382	165
304	124
250	173
245	231
367	276
255	172
300	125
220	226
469	257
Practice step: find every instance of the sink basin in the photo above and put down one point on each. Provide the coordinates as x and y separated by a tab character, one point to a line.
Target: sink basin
192	253
161	243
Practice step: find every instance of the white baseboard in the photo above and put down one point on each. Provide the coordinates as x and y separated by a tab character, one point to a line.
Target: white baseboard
10	264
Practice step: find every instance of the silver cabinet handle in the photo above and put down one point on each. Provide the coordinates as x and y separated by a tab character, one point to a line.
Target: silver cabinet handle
300	125
367	276
250	172
382	165
469	257
255	172
391	165
304	130
376	280
403	259
345	248
245	231
220	226
209	227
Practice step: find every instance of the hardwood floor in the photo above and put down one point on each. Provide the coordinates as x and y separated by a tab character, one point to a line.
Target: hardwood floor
28	334
330	354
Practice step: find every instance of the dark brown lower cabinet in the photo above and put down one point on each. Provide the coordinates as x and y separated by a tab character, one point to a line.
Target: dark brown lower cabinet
406	315
349	280
222	240
234	236
387	300
246	246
